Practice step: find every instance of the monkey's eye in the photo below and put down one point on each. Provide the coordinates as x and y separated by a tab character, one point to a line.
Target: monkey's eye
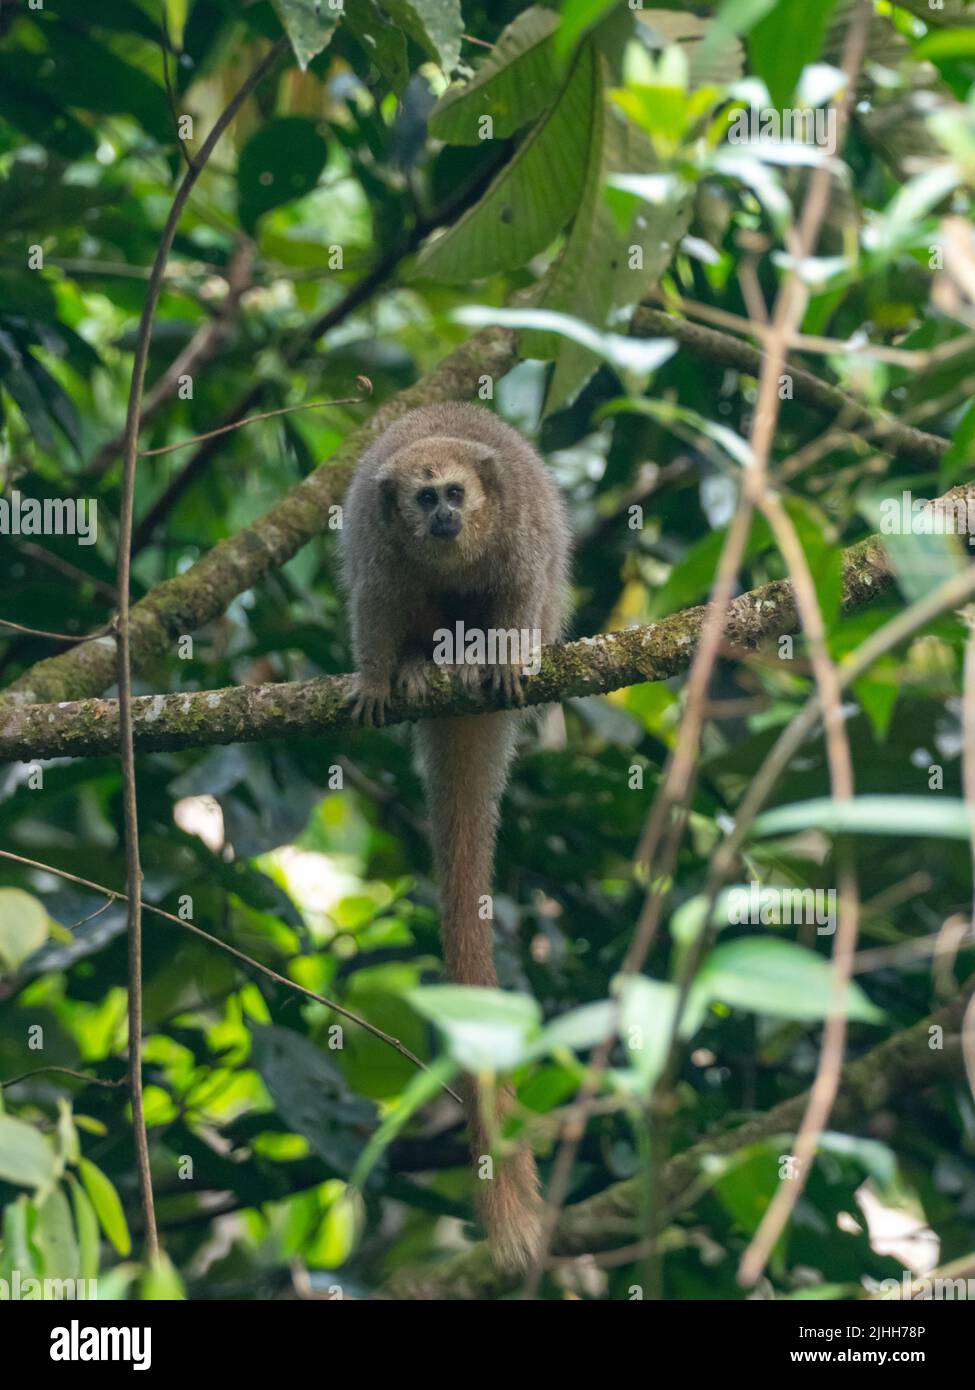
455	494
427	497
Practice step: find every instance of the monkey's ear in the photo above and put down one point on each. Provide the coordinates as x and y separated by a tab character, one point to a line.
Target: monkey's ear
387	495
486	463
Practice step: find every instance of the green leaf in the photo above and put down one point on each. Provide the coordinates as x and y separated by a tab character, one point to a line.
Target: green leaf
38	116
162	1282
484	1029
513	85
86	1224
930	816
16	1252
58	404
633	358
54	1237
90	77
281	161
647	1011
786	40
311	1095
578	1028
878	695
422	1087
602	272
956	462
690	581
921	562
766	975
436	25
947	43
578	17
108	1208
26	1156
24	928
385	44
309	24
529	201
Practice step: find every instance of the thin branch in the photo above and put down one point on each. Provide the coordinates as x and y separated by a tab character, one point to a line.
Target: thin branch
202	348
249	961
122	625
364	394
65	1071
55	636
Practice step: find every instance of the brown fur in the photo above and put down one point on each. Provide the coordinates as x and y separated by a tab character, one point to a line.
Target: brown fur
505	568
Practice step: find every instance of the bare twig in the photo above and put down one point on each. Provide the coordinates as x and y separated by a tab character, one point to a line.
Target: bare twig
55	636
65	1071
364	394
123	651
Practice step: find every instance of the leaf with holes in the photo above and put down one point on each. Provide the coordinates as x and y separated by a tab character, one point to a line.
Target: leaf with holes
309	24
513	85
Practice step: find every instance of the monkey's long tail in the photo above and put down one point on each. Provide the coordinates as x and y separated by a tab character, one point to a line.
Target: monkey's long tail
465	764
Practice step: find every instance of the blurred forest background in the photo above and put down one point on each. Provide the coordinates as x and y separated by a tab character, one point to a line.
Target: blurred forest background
605	262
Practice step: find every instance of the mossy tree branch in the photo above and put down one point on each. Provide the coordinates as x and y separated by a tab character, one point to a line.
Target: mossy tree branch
591	666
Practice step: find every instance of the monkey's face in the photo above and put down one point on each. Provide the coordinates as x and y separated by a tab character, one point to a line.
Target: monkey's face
438	495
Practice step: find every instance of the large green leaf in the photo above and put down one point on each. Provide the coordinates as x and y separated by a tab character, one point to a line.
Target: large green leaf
309	24
436	25
786	40
37	115
23	928
513	85
311	1096
104	1198
602	272
26	1157
930	816
16	1252
281	161
385	44
766	975
88	76
530	200
55	1239
86	1224
485	1029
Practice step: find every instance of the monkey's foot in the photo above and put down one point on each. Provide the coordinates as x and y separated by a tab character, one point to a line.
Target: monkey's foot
412	680
506	680
369	700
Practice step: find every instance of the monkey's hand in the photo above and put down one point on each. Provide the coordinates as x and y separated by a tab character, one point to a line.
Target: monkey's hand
506	681
369	698
412	679
471	677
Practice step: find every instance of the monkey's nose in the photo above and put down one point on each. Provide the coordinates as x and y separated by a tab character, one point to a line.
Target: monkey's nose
445	524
